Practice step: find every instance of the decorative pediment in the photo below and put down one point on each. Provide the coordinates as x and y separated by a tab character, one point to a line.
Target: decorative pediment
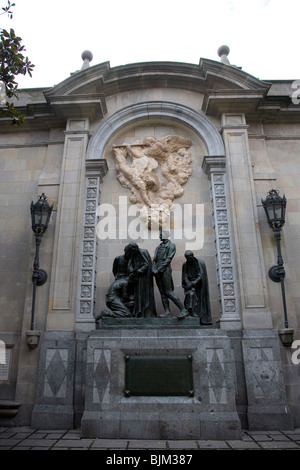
208	75
221	84
225	88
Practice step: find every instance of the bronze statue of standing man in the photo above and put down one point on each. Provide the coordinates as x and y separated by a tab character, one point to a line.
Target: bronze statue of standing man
161	269
140	275
196	289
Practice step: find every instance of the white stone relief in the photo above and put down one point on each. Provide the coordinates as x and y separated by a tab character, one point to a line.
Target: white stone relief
138	169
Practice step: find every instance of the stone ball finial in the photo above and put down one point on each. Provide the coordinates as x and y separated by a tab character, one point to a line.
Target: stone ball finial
223	50
87	57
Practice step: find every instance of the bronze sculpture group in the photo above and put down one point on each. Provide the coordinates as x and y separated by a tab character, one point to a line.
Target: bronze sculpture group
131	295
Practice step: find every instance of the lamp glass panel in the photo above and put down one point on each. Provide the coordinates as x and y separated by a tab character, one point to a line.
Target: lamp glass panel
278	211
270	212
44	217
37	217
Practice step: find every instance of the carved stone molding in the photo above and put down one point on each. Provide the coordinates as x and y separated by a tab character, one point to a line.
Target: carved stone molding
226	272
169	112
95	170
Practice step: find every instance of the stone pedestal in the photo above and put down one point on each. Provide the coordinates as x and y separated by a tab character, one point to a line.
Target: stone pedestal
267	400
161	379
55	392
207	409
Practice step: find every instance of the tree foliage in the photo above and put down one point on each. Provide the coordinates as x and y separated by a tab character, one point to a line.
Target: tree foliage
12	64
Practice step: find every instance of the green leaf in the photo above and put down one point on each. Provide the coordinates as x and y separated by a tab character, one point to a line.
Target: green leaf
12	64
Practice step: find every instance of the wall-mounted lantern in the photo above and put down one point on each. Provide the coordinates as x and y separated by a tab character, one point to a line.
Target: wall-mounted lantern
40	216
274	206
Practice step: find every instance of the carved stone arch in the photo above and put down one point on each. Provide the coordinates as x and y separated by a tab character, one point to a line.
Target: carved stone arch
214	164
197	121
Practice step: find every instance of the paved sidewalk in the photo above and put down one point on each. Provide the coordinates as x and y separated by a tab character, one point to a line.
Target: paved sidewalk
25	438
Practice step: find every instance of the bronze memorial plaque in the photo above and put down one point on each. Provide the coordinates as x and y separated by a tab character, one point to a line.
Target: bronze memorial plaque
158	376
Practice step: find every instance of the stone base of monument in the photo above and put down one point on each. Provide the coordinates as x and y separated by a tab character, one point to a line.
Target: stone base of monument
153	322
161	378
159	383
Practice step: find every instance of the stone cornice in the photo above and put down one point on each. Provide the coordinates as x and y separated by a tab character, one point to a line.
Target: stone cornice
225	88
91	106
233	75
216	103
211	164
207	75
96	166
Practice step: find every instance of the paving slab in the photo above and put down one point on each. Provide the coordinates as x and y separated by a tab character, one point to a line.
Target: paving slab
279	437
37	442
147	444
259	436
283	445
182	445
243	444
211	445
9	442
23	448
110	444
79	443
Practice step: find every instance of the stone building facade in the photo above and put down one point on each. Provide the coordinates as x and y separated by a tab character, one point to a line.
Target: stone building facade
244	139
